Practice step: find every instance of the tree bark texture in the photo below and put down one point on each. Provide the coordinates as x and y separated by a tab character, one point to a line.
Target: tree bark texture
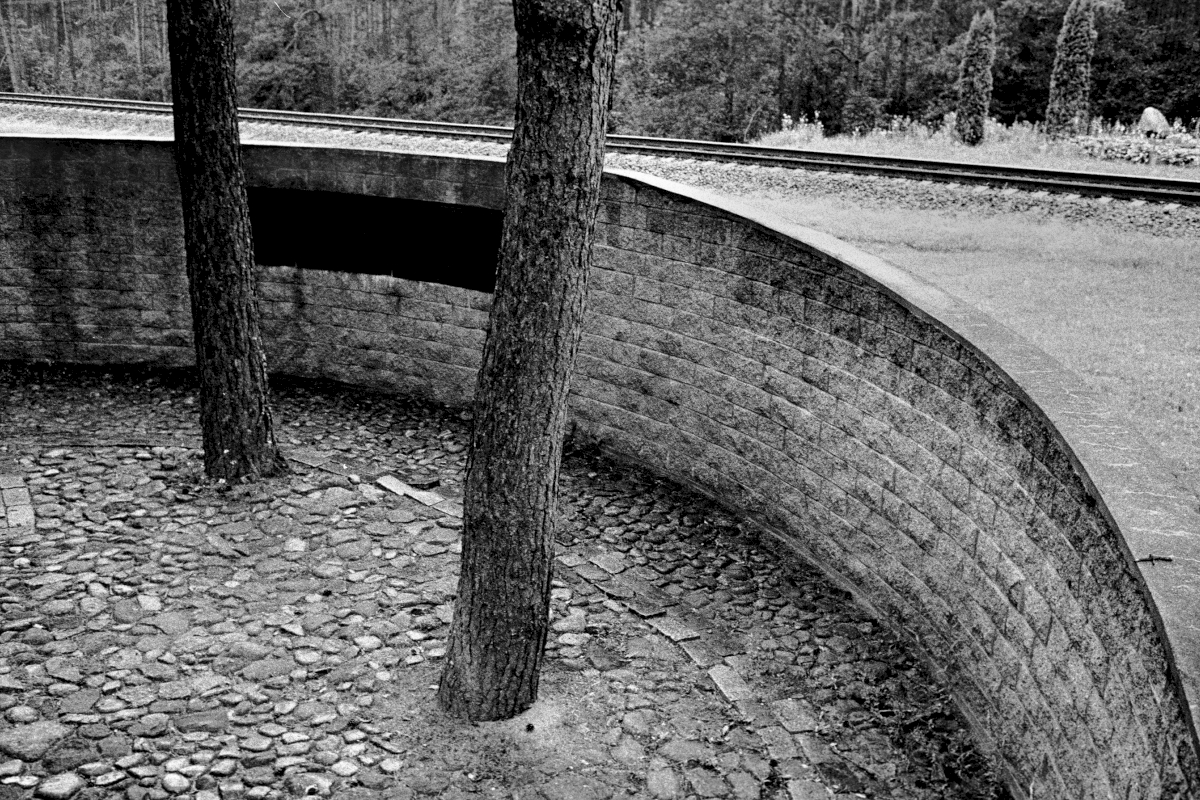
234	413
565	55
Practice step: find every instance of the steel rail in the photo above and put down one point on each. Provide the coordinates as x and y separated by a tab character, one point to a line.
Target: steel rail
1125	186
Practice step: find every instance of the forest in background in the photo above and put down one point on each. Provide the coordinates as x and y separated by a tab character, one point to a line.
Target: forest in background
727	70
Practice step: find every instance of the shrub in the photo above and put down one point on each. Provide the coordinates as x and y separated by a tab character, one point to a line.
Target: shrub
975	79
1070	81
860	113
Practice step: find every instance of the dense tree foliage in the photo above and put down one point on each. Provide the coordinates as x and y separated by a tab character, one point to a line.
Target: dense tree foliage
707	70
721	69
975	79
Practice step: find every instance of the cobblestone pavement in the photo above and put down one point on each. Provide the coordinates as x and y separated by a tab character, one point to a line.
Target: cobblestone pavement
160	637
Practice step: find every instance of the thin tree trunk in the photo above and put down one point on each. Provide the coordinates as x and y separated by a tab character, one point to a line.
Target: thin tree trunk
164	51
137	37
12	51
781	79
385	27
437	24
57	47
69	39
409	34
234	414
889	44
565	55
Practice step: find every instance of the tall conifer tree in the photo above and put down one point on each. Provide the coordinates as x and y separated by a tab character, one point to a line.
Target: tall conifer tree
975	79
1070	81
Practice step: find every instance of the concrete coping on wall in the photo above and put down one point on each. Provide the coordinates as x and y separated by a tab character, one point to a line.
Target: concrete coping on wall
1158	518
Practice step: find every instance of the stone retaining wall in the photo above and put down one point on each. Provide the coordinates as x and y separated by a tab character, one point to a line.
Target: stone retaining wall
914	448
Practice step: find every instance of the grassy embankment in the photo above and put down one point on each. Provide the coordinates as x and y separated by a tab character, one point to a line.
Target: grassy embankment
1118	308
1018	145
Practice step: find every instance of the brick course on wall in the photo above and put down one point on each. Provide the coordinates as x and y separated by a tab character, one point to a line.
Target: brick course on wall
963	485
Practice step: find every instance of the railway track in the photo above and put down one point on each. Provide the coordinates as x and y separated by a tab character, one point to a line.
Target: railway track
1132	187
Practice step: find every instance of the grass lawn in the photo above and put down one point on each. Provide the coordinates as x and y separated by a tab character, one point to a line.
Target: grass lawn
1120	309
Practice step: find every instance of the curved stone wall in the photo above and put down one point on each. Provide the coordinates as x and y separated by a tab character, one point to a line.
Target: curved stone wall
951	475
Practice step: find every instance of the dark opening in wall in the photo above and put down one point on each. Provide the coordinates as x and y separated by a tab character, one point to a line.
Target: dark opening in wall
420	241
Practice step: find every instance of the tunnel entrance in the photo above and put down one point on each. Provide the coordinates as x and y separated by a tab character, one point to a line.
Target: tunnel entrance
411	239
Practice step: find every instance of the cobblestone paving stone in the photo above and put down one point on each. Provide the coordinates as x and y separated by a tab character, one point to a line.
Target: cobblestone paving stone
162	638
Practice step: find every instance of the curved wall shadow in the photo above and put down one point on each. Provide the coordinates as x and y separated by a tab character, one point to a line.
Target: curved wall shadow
951	475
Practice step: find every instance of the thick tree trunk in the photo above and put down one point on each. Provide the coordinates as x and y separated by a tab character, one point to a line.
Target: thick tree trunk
565	55
234	413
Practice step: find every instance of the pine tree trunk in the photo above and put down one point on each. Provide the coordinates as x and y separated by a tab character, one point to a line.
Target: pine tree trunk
234	414
565	55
